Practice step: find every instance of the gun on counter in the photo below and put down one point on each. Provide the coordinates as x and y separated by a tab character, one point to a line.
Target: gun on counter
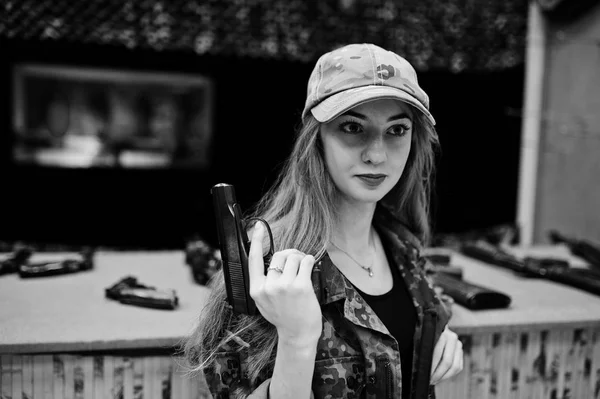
131	292
235	247
554	269
11	262
203	260
51	264
442	263
27	262
584	249
472	296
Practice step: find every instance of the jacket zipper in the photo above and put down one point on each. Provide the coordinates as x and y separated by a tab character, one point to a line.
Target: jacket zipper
388	379
426	345
360	389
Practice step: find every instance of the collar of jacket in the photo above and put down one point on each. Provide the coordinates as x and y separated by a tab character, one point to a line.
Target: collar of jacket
403	247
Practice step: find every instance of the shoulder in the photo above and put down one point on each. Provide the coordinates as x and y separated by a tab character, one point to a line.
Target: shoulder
397	237
387	220
408	236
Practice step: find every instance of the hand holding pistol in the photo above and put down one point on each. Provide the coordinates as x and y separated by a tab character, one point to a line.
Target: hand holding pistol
235	247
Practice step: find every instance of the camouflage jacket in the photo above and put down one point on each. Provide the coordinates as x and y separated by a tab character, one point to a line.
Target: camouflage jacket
356	355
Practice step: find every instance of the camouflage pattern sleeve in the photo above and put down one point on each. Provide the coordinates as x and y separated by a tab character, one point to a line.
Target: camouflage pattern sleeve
225	379
224	375
224	383
262	392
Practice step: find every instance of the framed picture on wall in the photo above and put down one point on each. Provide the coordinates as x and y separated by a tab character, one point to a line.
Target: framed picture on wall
71	117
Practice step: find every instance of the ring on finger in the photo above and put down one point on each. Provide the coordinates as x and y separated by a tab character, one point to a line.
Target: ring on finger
276	268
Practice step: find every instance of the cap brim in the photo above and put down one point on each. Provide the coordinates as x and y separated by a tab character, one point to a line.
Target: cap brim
337	104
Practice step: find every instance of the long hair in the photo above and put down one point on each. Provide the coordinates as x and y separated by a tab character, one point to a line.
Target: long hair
300	208
409	201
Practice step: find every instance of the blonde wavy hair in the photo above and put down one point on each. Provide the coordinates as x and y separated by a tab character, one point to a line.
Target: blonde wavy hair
300	208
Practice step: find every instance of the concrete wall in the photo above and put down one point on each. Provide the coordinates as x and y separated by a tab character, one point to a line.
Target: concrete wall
568	186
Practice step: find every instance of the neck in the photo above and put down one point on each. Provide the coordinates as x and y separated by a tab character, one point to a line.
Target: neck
353	230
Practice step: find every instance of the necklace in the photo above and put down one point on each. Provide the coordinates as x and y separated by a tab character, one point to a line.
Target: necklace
366	268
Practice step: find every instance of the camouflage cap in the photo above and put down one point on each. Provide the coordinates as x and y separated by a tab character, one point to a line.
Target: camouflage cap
359	73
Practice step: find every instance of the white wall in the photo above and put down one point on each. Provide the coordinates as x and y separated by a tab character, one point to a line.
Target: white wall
567	195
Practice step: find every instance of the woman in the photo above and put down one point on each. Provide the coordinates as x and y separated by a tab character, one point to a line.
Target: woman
352	200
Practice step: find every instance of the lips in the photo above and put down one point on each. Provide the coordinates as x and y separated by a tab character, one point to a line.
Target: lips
372	180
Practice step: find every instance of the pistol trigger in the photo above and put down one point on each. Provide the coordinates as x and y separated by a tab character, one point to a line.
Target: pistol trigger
270	253
267	260
271	245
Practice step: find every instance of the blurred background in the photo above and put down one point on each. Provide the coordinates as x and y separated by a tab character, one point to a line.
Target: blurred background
117	117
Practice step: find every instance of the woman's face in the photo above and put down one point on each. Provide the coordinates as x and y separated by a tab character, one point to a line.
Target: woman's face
367	147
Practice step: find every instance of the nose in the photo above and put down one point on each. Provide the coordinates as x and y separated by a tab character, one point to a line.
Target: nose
374	152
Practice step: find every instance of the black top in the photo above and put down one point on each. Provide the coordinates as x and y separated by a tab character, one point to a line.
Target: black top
396	310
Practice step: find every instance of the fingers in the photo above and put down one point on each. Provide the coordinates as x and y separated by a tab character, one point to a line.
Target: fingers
457	366
445	362
284	265
287	263
292	263
295	265
306	268
255	255
457	363
450	362
438	351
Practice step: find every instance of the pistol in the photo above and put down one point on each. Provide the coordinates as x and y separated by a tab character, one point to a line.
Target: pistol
585	249
130	292
50	264
203	259
557	270
12	262
441	263
235	247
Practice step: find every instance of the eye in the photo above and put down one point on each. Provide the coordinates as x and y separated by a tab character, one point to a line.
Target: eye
350	127
400	129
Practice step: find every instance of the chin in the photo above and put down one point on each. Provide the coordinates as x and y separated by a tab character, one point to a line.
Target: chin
360	194
370	197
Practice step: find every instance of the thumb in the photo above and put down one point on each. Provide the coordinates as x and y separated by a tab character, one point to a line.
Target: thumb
255	256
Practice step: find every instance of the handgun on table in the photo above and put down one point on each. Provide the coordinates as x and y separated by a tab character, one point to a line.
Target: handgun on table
557	270
11	262
130	292
585	249
54	264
